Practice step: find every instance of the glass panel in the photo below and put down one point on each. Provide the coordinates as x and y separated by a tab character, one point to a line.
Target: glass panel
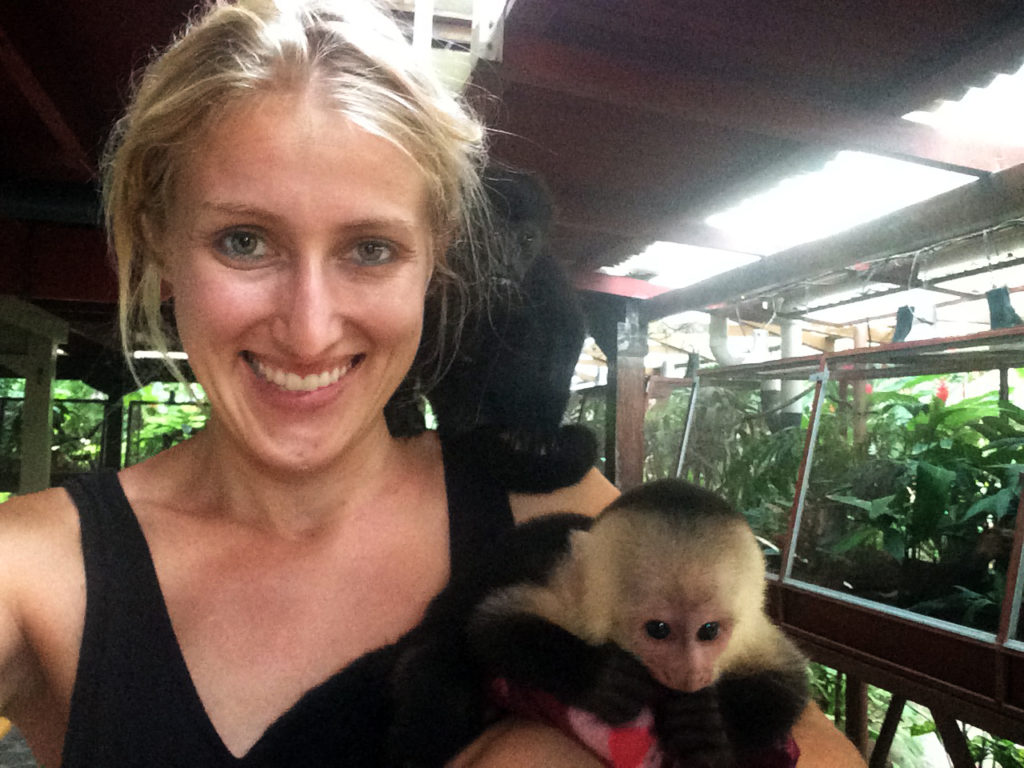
913	490
664	427
747	443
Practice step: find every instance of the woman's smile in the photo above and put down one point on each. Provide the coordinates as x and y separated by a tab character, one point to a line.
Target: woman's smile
297	382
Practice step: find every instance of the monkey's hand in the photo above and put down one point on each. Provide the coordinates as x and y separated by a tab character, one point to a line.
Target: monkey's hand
759	709
533	652
620	685
691	730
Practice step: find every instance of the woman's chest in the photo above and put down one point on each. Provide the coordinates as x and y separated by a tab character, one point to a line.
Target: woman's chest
258	630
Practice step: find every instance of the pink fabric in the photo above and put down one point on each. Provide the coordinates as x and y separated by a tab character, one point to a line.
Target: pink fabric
631	745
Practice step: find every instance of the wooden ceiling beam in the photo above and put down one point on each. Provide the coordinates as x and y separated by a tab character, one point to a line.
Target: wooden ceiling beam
975	207
586	214
744	107
73	154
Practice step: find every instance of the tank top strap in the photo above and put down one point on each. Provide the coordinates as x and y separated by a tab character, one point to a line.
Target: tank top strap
133	697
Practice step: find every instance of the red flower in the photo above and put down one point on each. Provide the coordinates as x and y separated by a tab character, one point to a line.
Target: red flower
942	391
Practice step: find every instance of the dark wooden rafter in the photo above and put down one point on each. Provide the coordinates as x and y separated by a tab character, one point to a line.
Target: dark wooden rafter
985	203
741	106
587	216
73	154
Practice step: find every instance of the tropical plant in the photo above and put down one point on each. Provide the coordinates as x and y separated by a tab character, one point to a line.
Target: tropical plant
732	450
920	514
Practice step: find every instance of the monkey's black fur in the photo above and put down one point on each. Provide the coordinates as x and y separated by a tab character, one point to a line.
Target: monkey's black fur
440	685
506	390
440	681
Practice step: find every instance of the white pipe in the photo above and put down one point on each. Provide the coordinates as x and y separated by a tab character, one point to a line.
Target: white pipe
791	333
718	340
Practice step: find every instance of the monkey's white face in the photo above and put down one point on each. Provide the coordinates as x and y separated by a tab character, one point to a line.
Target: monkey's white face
680	642
299	256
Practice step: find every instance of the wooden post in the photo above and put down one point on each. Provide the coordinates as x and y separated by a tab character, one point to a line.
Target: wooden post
37	415
611	411
860	392
615	323
630	392
857	713
883	744
953	740
28	346
110	451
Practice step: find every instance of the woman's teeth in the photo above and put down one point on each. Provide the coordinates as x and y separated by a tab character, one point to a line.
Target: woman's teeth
295	383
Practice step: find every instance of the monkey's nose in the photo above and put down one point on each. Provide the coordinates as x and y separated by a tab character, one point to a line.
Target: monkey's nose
686	680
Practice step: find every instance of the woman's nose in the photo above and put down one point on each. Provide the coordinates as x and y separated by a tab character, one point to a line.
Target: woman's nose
309	310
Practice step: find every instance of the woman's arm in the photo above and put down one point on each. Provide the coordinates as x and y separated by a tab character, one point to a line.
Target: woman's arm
14	656
18	667
821	744
515	743
522	744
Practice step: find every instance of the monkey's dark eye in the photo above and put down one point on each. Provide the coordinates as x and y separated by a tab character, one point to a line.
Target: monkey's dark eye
659	630
708	631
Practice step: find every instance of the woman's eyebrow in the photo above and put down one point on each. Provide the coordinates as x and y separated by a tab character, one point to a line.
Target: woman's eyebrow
362	223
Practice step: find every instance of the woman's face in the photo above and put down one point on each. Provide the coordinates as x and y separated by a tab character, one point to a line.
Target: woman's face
298	254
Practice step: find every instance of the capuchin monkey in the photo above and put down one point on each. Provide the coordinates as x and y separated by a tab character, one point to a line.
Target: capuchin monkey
656	604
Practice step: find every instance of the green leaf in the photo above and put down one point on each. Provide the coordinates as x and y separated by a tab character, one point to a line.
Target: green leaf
994	504
894	542
851	540
922	729
853	501
931	499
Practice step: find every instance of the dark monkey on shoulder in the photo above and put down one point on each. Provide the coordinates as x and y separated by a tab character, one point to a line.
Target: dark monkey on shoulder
504	392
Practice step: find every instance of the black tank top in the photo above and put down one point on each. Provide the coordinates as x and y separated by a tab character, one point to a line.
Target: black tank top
134	704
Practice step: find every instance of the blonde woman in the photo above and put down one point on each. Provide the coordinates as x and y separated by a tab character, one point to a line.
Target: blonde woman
289	175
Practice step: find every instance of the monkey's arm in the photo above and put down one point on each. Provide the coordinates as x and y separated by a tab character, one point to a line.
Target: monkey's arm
530	651
761	700
760	709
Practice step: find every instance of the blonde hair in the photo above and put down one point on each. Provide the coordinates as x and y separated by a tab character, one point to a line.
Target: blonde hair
362	65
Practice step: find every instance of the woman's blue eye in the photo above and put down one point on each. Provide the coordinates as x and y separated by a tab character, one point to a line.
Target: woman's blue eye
374	252
242	244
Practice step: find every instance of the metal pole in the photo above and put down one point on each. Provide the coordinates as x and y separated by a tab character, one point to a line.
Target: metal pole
423	27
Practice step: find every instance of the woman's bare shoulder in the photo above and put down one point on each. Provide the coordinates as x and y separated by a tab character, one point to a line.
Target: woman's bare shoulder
40	546
43	519
588	497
